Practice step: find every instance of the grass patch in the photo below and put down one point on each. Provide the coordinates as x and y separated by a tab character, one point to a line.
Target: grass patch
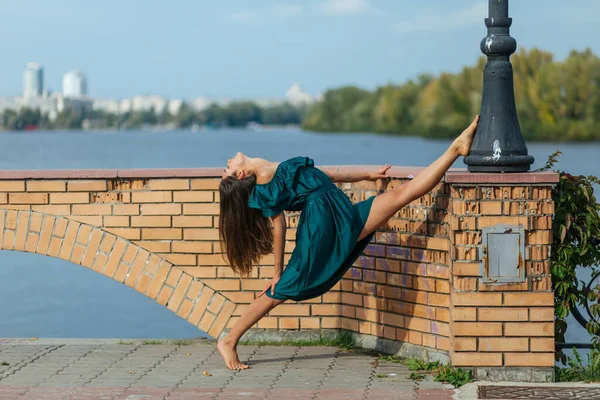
126	342
153	342
381	376
182	342
344	341
4	363
456	377
390	358
577	371
415	376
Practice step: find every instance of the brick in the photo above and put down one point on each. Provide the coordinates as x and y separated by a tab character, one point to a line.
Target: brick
125	233
224	284
201	234
529	329
417	324
309	323
161	209
466	269
503	314
222	319
152	197
529	299
542	344
464	314
477	299
477	329
92	248
435	299
462	284
206	322
164	295
169	184
86	186
3	198
193	197
92	209
291	309
69	241
490	208
9	240
69	198
151	221
162	234
158	280
352	298
201	209
46	186
465	207
116	221
477	359
28	198
64	209
137	268
465	344
179	292
114	256
181	259
415	337
126	209
201	305
191	247
512	220
94	220
463	223
503	344
205	184
192	221
529	359
154	246
541	314
12	186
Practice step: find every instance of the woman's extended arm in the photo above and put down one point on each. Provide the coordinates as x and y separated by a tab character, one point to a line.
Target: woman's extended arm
279	229
342	174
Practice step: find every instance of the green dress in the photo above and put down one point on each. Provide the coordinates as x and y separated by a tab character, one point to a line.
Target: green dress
328	230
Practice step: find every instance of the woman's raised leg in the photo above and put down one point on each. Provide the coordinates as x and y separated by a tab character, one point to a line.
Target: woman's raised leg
255	311
387	204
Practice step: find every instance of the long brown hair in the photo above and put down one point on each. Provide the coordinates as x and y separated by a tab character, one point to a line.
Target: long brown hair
245	233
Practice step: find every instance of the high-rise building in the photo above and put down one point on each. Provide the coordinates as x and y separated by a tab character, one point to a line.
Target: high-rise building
74	84
33	80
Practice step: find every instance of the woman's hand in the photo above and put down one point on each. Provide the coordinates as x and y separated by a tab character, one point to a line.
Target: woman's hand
271	286
381	174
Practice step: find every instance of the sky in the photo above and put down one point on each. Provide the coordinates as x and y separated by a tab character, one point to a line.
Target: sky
258	48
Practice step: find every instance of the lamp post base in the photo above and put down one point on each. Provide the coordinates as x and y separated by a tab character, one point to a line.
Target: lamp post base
503	164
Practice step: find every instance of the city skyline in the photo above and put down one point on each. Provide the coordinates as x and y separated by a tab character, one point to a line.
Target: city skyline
233	51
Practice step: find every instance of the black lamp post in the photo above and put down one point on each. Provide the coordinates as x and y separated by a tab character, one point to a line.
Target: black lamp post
498	145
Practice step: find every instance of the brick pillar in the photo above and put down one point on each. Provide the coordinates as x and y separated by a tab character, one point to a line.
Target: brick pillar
504	331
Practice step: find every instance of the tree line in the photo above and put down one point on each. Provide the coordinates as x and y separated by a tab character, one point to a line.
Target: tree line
235	114
556	101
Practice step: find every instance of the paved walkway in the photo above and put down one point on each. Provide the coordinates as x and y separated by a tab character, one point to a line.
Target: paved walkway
108	369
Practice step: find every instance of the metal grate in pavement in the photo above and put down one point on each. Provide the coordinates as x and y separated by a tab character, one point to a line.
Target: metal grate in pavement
541	393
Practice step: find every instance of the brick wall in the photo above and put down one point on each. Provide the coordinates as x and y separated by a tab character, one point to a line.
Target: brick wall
418	282
511	324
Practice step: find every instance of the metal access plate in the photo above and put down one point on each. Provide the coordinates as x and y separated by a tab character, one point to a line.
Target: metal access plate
501	253
538	392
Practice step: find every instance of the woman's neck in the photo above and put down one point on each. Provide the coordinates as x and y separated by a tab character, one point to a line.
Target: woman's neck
256	164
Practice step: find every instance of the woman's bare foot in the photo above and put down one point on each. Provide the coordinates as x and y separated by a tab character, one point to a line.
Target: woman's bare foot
229	353
462	144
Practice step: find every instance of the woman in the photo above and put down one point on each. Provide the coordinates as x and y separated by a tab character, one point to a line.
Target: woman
331	231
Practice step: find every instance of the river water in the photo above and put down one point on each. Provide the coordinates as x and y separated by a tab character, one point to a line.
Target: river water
47	297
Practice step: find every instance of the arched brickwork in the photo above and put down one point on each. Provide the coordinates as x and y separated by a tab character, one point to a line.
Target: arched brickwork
118	259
